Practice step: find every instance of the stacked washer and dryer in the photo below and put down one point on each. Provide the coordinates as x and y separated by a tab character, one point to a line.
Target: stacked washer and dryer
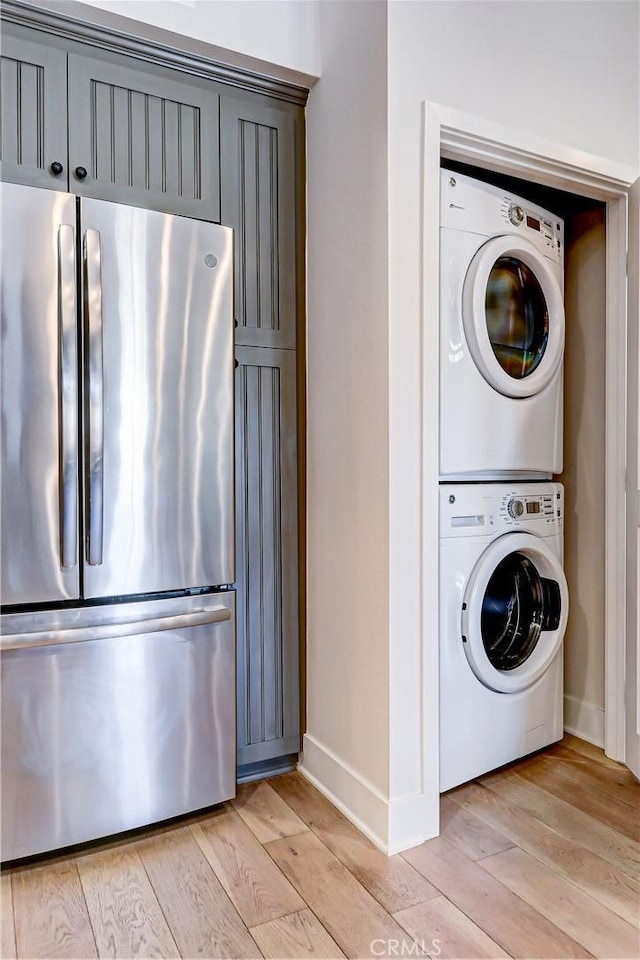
503	593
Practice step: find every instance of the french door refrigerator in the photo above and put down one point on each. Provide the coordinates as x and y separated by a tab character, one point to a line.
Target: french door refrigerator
117	561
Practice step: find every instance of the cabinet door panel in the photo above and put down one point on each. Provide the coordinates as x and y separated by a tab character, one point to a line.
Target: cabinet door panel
258	199
146	139
33	96
266	550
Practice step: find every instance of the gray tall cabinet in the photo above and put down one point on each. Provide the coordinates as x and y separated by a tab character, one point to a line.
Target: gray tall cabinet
89	113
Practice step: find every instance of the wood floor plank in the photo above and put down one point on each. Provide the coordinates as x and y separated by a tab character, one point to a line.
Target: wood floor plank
202	919
124	911
602	932
7	928
588	750
265	812
349	913
617	782
558	778
392	881
518	929
253	883
297	936
535	861
563	817
469	833
444	931
596	876
50	912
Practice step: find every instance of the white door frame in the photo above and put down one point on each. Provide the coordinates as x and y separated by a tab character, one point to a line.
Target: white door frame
632	672
460	136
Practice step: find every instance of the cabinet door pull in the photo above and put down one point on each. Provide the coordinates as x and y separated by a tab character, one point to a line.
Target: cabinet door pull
80	172
56	168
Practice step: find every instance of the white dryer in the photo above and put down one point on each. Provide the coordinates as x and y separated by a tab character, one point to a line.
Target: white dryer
501	334
503	613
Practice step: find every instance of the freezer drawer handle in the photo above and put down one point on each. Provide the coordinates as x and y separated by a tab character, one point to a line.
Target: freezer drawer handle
68	392
95	419
111	631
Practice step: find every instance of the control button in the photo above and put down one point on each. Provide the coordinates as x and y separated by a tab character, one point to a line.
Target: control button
516	214
515	508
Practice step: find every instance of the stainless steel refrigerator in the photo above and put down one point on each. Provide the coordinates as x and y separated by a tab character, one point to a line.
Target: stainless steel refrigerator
117	561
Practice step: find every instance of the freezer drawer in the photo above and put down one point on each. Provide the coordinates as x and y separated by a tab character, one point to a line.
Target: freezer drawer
114	717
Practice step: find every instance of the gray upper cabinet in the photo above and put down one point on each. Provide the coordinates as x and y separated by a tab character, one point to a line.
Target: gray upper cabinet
142	138
33	105
108	126
258	184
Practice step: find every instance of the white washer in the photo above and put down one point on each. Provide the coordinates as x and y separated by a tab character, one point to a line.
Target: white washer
501	334
503	613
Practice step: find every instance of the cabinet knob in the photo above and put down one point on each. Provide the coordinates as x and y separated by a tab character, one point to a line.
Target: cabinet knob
80	172
56	168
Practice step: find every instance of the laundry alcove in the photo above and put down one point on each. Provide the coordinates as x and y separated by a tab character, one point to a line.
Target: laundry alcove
583	474
596	198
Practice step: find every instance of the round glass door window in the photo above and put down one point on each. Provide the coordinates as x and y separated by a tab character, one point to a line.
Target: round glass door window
517	317
513	316
514	612
518	605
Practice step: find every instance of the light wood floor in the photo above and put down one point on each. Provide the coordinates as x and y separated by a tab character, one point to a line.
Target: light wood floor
536	860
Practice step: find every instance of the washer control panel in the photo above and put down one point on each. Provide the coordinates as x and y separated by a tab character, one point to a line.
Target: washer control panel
538	507
487	509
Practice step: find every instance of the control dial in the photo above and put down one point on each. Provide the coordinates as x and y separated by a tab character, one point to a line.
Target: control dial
515	508
516	214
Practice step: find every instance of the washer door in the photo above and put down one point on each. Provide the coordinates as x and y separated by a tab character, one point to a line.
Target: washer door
513	316
514	612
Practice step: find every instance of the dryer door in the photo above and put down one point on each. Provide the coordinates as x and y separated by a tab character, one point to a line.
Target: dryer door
513	316
514	612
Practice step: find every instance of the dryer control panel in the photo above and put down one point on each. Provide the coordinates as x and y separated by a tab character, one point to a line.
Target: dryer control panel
548	230
476	207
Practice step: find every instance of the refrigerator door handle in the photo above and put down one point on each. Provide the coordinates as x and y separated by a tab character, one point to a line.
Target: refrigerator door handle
94	464
114	629
68	393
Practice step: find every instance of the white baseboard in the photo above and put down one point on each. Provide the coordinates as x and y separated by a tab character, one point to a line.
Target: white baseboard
584	720
392	826
364	804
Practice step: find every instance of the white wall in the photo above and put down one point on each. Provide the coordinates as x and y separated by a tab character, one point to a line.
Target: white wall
282	32
564	71
347	743
567	71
